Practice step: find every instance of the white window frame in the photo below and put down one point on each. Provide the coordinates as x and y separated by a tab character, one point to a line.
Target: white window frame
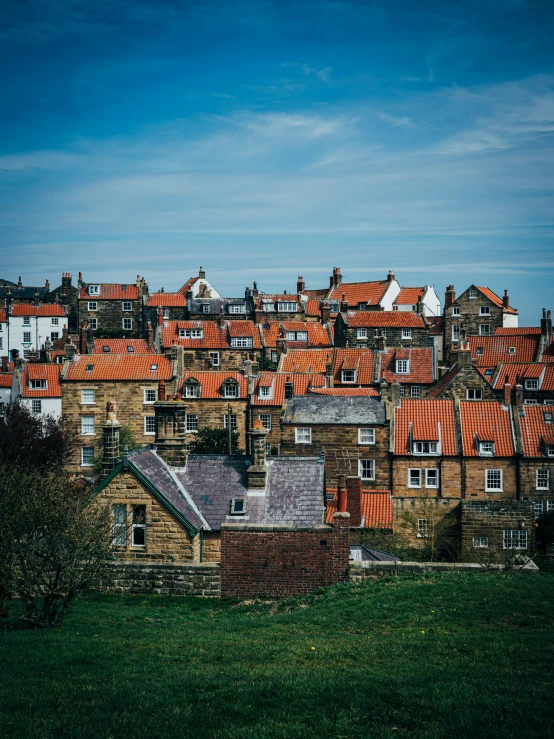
366	436
93	323
27	337
532	384
243	342
205	308
455	310
36	405
26	320
192	423
455	332
537	507
119	527
265	418
287	306
477	393
343	376
165	313
214	356
149	423
234	421
302	435
486	448
366	463
412	478
150	395
484	310
425	448
88	397
231	390
406	333
87	426
498	474
472	294
93	305
127	306
193	390
89	463
402	366
191	333
38	384
55	322
265	391
415	392
127	324
514	539
361	333
436	476
274	356
422	528
480	542
484	329
94	289
235	309
544	483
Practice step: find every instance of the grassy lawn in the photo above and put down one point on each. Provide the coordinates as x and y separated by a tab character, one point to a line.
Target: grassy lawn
454	655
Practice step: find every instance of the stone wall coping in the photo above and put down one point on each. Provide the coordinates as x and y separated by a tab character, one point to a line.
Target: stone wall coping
215	566
268	528
438	566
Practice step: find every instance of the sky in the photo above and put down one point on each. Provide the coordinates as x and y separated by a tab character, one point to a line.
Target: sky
265	140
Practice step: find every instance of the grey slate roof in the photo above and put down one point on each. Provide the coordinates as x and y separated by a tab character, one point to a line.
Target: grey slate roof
23	293
195	306
328	409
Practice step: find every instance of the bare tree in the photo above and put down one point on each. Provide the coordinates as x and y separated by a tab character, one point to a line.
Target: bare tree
432	526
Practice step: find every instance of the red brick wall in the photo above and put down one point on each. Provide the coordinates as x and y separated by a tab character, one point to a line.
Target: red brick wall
281	561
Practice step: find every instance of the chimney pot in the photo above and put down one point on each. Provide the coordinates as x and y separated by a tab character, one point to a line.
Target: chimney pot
506	300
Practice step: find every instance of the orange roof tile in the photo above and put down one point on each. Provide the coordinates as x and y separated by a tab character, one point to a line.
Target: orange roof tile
118	367
3	317
422	370
428	420
26	309
492	350
518	373
48	372
376	319
301	383
211	383
518	331
314	361
122	346
188	284
376	509
409	295
360	292
214	336
444	382
110	291
167	300
493	297
6	379
536	430
347	391
548	353
318	336
486	421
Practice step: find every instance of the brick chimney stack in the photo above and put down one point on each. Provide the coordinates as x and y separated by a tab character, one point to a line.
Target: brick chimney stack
329	377
171	417
257	472
110	431
354	498
449	297
47	286
507	392
66	280
221	318
390	276
255	289
300	285
506	299
19	283
80	280
380	341
36	300
160	316
343	304
384	389
150	334
83	339
325	312
464	353
342	496
337	277
546	325
281	345
395	394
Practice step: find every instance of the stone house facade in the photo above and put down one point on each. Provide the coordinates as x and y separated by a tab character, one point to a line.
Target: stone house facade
536	469
494	527
67	295
113	308
361	329
463	381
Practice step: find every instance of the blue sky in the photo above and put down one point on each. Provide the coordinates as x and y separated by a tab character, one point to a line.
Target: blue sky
265	140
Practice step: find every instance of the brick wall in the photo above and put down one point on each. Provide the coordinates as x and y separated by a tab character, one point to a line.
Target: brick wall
281	561
163	579
490	518
528	479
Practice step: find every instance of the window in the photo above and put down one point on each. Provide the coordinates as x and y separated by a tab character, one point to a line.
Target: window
138	528
88	397
1	342
165	313
297	335
268	449
431	478
303	436
26	320
480	542
484	329
455	310
238	506
92	305
514	539
406	333
348	375
537	505
93	323
542	480
242	341
94	289
192	390
214	359
236	308
530	401
37	406
361	333
550	451
55	322
472	294
549	506
474	393
127	324
274	357
87	456
415	391
233	421
286	307
402	391
425	447
26	337
192	422
205	308
265	418
119	518
531	384
37	384
366	469
191	333
484	310
366	436
150	425
54	335
87	425
231	390
127	305
150	396
422	528
265	391
512	350
493	481
486	448
455	332
402	367
414	478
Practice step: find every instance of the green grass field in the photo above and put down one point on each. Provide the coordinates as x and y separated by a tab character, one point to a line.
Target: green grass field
455	655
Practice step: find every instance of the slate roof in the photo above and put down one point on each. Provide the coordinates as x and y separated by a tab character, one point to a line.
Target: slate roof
118	367
110	291
425	420
536	429
121	346
486	421
325	409
26	309
492	350
23	293
376	509
196	306
436	325
384	318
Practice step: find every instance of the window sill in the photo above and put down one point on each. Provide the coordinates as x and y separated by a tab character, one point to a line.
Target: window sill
495	490
89	435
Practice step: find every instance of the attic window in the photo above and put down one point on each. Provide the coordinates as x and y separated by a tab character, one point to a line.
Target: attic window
265	391
236	308
238	506
348	376
153	367
489	372
531	384
191	333
486	448
402	367
106	349
550	451
425	447
548	417
94	289
231	389
479	350
193	389
512	350
131	349
473	294
90	367
38	384
287	307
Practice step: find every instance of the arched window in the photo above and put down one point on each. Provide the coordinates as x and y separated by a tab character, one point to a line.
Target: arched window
192	388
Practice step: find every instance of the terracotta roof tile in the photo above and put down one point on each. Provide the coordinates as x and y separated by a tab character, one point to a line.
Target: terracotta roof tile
167	300
516	373
314	361
48	372
376	319
212	382
6	379
548	353
536	430
121	346
492	350
26	309
347	391
318	335
118	367
519	331
421	366
428	420
493	297
360	292
444	382
301	383
110	291
214	336
3	317
376	509
486	421
409	295
188	284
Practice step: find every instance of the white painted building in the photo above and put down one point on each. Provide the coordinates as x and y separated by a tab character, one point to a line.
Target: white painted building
408	298
200	287
38	388
29	326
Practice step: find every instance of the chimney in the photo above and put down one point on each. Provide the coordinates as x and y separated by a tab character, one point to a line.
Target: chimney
449	297
47	350
83	339
282	347
69	352
259	317
380	341
325	312
171	417
546	325
342	501
337	277
519	398
384	389
80	280
507	392
47	286
138	283
354	500
221	318
506	299
110	429
201	274
390	276
247	293
464	354
329	377
343	304
66	280
420	306
257	472
19	283
395	394
300	285
160	316
255	289
248	373
36	300
150	334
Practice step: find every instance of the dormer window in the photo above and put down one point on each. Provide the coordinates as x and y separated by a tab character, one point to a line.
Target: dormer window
297	335
191	333
94	289
237	309
406	333
238	506
243	342
348	376
131	349
425	447
333	306
193	389
361	333
531	384
38	384
486	448
106	349
153	367
231	389
484	310
472	294
402	366
165	313
549	451
287	307
266	391
512	350
205	308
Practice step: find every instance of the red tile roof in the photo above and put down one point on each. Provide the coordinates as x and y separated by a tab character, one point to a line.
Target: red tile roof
347	391
3	317
493	297
48	372
360	292
6	379
486	421
421	366
492	350
548	353
211	383
314	361
110	292
302	384
376	509
517	373
188	284
167	300
409	295
425	420
121	346
518	331
444	382
536	431
376	319
26	309
318	336
118	367
214	336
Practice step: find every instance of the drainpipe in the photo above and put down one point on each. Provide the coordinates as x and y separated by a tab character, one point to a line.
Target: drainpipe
201	545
